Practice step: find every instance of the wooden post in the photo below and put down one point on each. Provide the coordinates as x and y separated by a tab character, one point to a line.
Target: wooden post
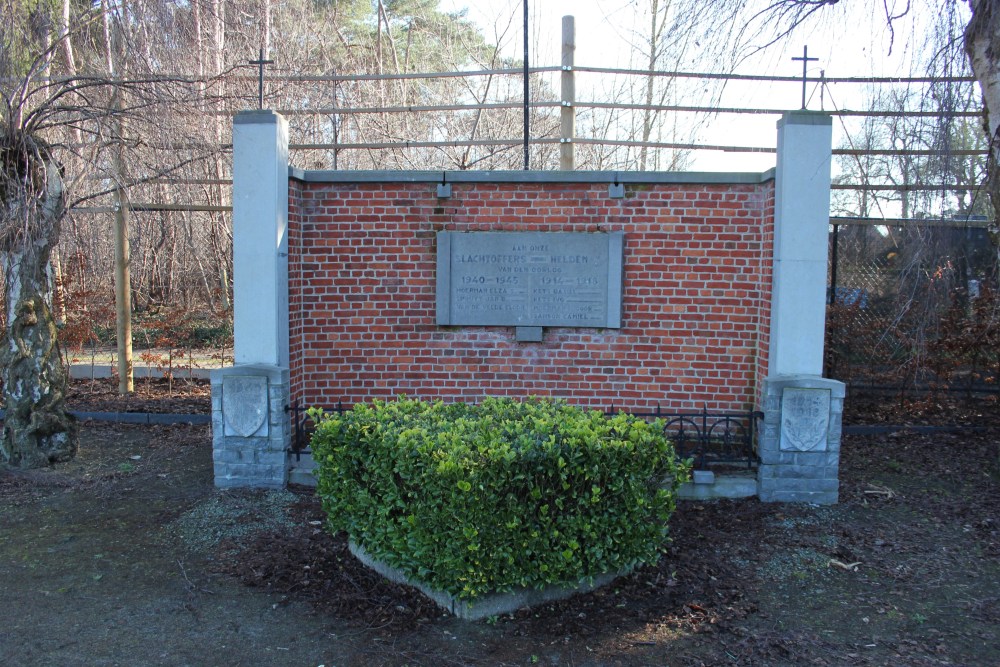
527	93
567	127
123	279
123	294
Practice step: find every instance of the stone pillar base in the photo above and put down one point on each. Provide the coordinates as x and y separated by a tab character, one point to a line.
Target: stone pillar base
800	441
251	430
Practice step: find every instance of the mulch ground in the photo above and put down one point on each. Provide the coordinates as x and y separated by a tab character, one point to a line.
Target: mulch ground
156	396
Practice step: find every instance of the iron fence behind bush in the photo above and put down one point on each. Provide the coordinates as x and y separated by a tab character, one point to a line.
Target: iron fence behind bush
710	439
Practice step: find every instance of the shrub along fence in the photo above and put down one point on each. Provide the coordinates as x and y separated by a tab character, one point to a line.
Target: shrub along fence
504	495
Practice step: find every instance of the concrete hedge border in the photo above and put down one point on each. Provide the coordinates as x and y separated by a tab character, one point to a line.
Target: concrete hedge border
503	495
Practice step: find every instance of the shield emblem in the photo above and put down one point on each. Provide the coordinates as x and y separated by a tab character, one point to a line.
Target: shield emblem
244	405
805	419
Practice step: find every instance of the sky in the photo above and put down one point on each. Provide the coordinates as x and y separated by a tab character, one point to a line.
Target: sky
848	44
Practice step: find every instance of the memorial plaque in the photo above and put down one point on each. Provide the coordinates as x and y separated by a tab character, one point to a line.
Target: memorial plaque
805	419
244	405
529	279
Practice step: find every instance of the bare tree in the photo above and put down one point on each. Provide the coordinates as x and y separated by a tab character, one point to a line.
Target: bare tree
37	428
748	27
664	46
44	104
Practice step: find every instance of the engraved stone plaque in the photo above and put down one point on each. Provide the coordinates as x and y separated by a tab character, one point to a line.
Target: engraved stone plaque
530	279
805	419
244	405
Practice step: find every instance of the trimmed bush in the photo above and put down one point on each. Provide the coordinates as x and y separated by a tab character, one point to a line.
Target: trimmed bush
477	499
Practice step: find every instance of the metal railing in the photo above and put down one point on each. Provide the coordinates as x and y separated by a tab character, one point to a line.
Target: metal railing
709	439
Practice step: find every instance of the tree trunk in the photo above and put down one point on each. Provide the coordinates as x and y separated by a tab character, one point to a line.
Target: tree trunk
219	173
37	429
982	44
647	115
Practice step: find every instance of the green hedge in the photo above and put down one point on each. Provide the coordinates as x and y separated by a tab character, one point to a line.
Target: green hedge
475	499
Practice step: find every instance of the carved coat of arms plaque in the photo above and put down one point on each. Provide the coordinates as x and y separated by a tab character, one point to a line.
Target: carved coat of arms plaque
805	419
244	405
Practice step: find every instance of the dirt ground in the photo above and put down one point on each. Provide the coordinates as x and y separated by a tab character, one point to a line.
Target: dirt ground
128	556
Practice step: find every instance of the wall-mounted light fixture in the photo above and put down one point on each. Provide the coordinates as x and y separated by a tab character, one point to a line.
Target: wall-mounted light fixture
444	187
616	190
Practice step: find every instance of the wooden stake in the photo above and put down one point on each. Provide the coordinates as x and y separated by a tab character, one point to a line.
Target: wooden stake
567	127
123	279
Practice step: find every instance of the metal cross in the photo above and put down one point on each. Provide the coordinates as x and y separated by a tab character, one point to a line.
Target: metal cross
805	63
260	62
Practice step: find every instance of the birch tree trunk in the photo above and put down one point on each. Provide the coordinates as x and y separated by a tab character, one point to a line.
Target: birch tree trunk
217	232
982	44
37	429
655	33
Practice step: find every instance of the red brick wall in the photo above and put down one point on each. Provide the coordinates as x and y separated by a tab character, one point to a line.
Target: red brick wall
695	308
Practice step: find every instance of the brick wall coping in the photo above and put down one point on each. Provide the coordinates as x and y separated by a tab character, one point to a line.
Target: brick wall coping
626	177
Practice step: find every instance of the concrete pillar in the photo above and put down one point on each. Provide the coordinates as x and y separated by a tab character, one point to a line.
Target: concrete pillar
801	228
250	428
799	445
260	244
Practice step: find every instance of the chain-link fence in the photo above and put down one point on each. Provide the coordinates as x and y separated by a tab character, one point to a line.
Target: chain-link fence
913	305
